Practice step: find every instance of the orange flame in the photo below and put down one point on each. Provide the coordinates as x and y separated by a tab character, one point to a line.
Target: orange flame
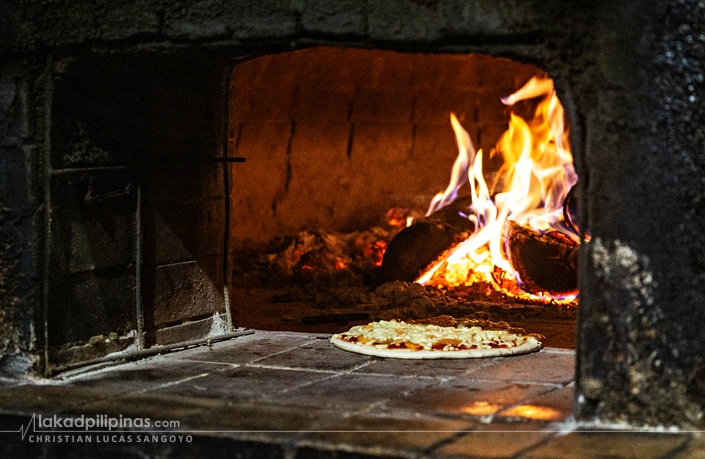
529	189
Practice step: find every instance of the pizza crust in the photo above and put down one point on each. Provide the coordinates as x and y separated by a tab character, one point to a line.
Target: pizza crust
530	344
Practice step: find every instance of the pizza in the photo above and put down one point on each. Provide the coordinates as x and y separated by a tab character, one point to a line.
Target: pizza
402	340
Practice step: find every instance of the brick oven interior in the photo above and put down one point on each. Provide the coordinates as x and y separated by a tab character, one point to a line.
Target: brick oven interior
157	160
336	140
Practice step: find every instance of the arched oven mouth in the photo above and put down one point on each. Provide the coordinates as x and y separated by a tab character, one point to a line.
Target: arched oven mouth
340	209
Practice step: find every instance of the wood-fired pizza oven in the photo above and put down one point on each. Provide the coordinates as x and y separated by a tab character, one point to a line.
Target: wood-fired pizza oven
153	157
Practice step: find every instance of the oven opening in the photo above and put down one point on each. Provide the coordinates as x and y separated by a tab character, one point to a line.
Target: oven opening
381	185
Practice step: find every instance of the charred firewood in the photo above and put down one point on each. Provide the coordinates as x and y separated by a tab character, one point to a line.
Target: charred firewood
417	246
545	262
413	249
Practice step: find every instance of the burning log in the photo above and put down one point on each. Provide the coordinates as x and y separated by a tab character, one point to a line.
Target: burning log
537	171
545	262
417	246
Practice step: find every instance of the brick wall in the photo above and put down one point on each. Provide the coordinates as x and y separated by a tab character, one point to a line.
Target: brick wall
335	137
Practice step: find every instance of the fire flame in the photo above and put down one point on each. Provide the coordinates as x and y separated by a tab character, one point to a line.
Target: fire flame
529	189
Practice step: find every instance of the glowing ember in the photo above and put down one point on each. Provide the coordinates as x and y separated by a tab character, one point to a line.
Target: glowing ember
378	250
397	217
481	408
400	218
340	264
540	413
529	190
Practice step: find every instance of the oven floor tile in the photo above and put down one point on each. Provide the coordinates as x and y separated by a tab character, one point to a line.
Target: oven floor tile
541	367
248	348
496	441
440	368
556	405
352	392
318	355
201	415
48	398
623	445
387	434
245	383
469	398
147	374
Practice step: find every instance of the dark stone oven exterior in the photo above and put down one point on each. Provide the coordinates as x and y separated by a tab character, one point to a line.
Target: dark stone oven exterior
630	75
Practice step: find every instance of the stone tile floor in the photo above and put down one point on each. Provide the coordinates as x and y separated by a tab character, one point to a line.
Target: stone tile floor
294	396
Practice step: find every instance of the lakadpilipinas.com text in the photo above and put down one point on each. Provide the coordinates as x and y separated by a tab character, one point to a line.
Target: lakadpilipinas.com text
102	429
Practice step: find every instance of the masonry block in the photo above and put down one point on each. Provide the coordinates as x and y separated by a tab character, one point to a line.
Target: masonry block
188	290
260	183
176	232
313	104
93	219
15	178
123	19
264	19
219	19
264	100
183	182
209	19
320	178
434	153
383	106
14	105
490	18
379	169
400	20
333	18
91	304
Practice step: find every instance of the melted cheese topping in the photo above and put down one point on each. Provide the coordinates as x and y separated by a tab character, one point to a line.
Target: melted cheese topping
392	334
